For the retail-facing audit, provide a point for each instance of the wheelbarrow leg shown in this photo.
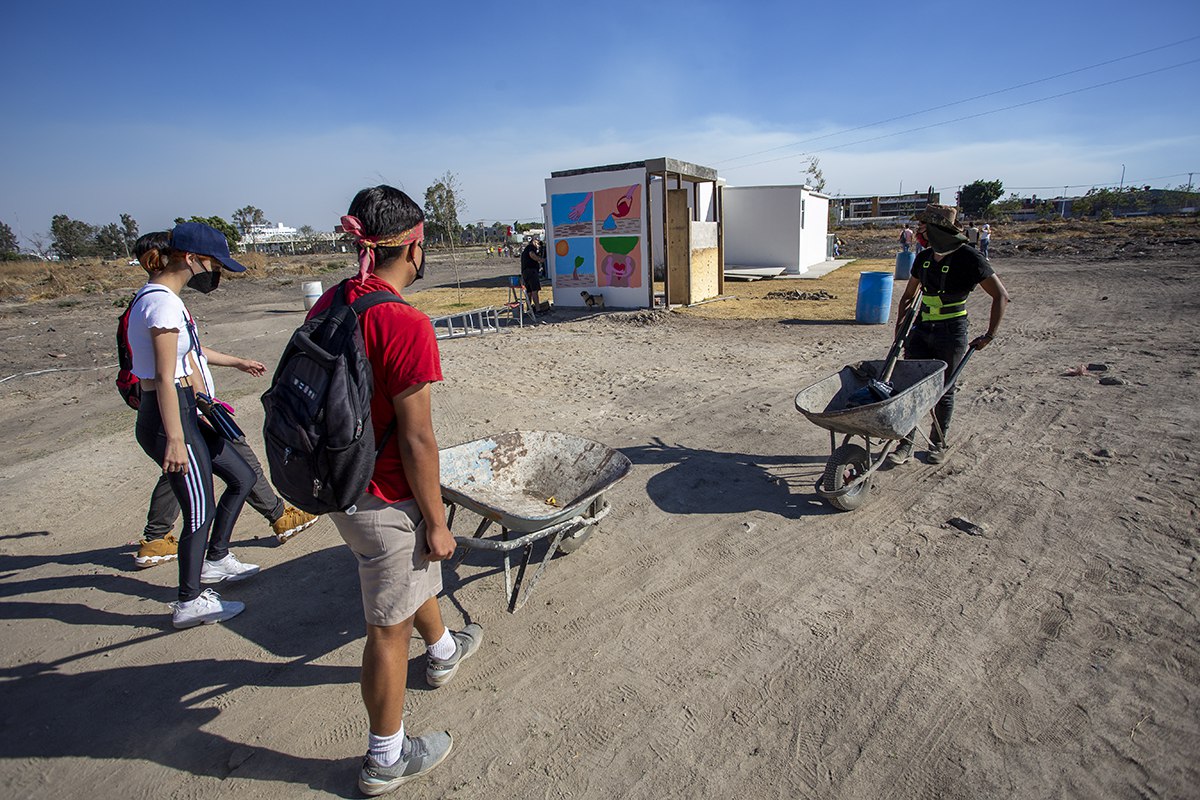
(513, 605)
(526, 552)
(508, 584)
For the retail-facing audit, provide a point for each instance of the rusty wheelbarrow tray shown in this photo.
(534, 485)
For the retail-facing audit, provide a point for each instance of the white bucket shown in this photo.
(312, 293)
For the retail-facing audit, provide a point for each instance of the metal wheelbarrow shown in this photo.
(918, 384)
(534, 485)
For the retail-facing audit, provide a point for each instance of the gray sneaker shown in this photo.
(466, 641)
(421, 754)
(938, 452)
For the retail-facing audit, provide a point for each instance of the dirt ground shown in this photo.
(724, 633)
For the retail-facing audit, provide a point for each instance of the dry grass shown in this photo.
(449, 300)
(749, 300)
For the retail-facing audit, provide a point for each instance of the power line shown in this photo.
(1093, 184)
(955, 103)
(967, 116)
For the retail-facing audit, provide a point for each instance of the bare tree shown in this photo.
(443, 205)
(813, 175)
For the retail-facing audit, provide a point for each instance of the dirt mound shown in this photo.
(820, 295)
(637, 319)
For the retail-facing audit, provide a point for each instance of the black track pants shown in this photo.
(207, 524)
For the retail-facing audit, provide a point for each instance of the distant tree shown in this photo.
(976, 197)
(110, 241)
(129, 231)
(231, 233)
(814, 177)
(71, 238)
(308, 237)
(443, 205)
(245, 217)
(1004, 209)
(8, 240)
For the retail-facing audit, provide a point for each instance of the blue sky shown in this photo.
(162, 110)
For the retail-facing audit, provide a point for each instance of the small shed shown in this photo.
(611, 228)
(775, 226)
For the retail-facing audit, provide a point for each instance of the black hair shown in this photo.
(385, 211)
(158, 240)
(157, 244)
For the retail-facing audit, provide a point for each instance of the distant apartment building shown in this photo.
(267, 232)
(876, 208)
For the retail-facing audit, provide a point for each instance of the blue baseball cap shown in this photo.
(204, 240)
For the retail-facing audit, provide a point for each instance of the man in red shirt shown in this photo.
(397, 530)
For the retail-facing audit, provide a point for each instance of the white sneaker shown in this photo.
(227, 569)
(204, 610)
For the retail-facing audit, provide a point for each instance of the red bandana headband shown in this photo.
(367, 244)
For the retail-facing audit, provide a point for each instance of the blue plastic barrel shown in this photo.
(874, 298)
(904, 262)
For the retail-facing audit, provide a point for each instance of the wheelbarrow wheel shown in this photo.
(574, 540)
(846, 464)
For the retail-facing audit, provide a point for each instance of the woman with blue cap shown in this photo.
(164, 344)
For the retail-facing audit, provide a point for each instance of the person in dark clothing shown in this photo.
(532, 258)
(946, 270)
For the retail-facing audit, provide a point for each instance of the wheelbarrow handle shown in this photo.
(902, 333)
(957, 369)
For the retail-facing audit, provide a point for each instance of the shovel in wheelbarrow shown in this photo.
(879, 389)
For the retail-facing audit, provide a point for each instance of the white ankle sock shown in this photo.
(386, 750)
(444, 647)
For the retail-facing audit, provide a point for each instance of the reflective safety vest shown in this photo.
(937, 306)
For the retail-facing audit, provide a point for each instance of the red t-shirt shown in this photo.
(403, 352)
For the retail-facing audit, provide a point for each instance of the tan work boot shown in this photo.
(291, 522)
(153, 552)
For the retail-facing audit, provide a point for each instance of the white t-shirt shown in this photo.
(156, 306)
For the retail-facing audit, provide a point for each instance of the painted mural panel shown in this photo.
(597, 240)
(619, 260)
(575, 263)
(618, 211)
(572, 214)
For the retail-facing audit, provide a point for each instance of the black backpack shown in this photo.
(320, 443)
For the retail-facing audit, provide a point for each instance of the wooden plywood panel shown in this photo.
(706, 274)
(678, 246)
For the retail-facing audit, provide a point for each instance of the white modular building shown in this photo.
(775, 227)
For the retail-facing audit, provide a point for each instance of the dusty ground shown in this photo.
(724, 634)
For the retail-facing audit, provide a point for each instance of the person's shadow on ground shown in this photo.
(158, 713)
(300, 610)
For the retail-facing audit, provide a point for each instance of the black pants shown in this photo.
(207, 525)
(944, 341)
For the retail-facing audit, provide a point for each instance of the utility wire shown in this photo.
(956, 102)
(1093, 184)
(968, 116)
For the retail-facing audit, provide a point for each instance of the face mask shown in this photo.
(921, 240)
(205, 282)
(421, 266)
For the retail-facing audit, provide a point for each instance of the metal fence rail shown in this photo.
(471, 323)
